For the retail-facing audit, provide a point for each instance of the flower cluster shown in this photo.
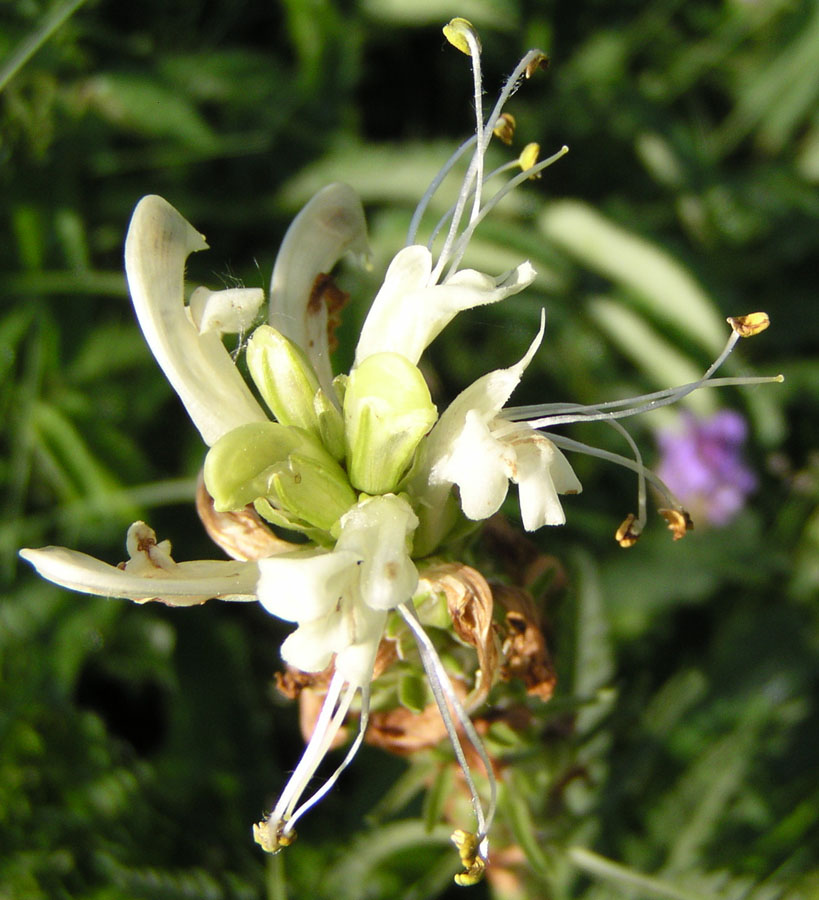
(361, 465)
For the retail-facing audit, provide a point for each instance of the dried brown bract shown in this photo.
(241, 533)
(525, 655)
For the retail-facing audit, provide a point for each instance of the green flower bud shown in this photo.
(288, 466)
(330, 423)
(387, 410)
(284, 377)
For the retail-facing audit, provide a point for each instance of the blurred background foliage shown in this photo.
(678, 758)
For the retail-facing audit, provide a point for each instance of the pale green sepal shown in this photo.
(431, 606)
(316, 491)
(291, 523)
(330, 424)
(284, 377)
(283, 463)
(387, 411)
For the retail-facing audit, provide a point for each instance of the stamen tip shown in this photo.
(750, 325)
(505, 128)
(540, 61)
(679, 522)
(528, 157)
(458, 31)
(629, 531)
(272, 840)
(473, 862)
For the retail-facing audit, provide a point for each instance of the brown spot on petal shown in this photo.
(326, 293)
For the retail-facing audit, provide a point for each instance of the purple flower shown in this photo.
(702, 463)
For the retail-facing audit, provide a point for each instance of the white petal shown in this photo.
(541, 473)
(377, 530)
(312, 645)
(408, 313)
(232, 311)
(355, 662)
(479, 464)
(185, 584)
(329, 226)
(198, 367)
(304, 587)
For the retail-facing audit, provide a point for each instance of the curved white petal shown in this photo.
(541, 473)
(185, 584)
(301, 587)
(330, 225)
(408, 312)
(312, 645)
(355, 661)
(377, 529)
(479, 464)
(231, 311)
(197, 365)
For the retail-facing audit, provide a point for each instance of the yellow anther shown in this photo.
(748, 326)
(505, 128)
(679, 522)
(539, 62)
(456, 31)
(528, 157)
(628, 533)
(272, 840)
(468, 849)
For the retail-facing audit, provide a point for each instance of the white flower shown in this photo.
(411, 309)
(340, 597)
(472, 447)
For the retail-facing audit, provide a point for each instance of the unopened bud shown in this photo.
(387, 410)
(287, 466)
(284, 376)
(330, 424)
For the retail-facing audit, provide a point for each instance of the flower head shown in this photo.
(360, 465)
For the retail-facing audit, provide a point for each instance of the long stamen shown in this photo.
(578, 447)
(457, 251)
(512, 164)
(593, 414)
(443, 691)
(338, 721)
(469, 44)
(637, 526)
(433, 187)
(270, 833)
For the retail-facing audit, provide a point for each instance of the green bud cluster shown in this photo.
(304, 470)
